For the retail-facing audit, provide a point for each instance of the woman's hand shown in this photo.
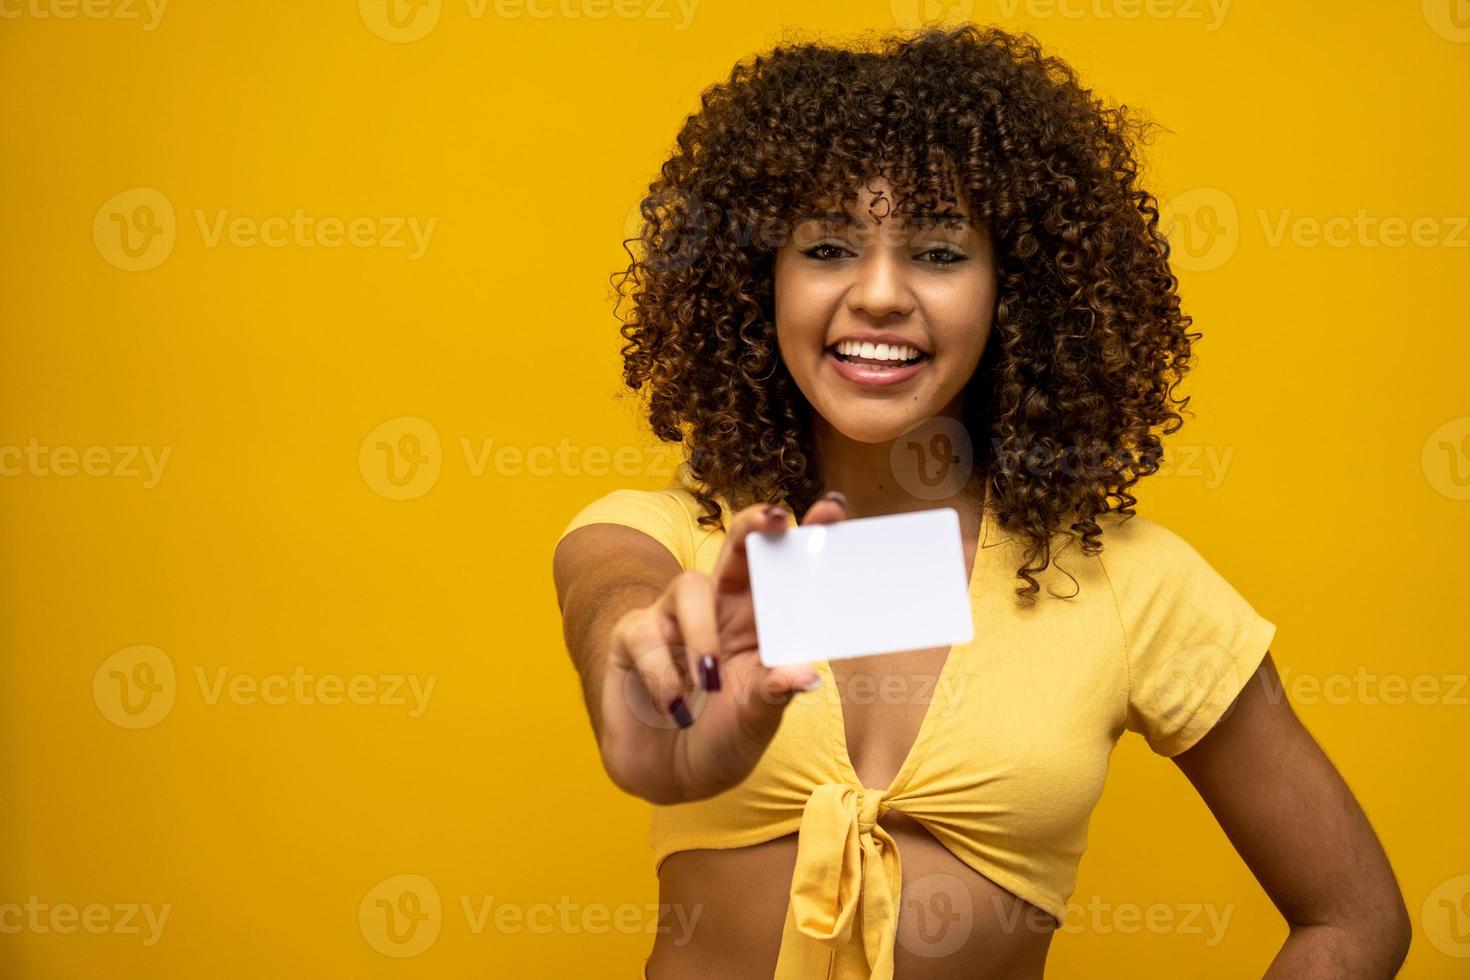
(663, 738)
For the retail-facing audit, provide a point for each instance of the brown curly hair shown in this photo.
(1088, 340)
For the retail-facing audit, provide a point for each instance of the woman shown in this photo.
(910, 274)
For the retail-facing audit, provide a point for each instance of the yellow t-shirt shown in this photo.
(1012, 753)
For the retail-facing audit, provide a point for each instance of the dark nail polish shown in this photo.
(836, 495)
(680, 711)
(709, 672)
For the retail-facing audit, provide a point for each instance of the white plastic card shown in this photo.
(861, 586)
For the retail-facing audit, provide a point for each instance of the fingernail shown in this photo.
(810, 684)
(680, 711)
(709, 672)
(781, 513)
(836, 495)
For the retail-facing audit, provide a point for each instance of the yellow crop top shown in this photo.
(1010, 759)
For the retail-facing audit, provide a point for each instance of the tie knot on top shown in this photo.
(871, 806)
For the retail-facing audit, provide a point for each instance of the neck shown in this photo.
(876, 479)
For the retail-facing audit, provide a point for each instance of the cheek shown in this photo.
(803, 311)
(961, 316)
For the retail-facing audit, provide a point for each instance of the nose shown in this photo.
(882, 287)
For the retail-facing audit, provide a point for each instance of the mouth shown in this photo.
(876, 365)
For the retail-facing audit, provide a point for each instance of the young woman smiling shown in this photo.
(895, 276)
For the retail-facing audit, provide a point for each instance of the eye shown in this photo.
(822, 251)
(946, 255)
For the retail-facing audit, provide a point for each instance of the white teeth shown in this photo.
(881, 352)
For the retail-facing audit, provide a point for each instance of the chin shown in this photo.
(875, 422)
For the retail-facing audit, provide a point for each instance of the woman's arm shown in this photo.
(602, 571)
(1296, 824)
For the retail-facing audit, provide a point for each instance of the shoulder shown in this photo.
(1159, 579)
(669, 515)
(1135, 548)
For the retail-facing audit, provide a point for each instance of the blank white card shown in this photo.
(861, 586)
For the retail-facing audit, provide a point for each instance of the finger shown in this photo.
(830, 508)
(689, 603)
(732, 571)
(644, 641)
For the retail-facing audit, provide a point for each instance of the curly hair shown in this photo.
(1088, 340)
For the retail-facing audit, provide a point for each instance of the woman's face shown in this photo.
(929, 286)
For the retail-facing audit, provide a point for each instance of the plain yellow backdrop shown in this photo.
(284, 466)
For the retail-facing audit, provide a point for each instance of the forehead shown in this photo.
(875, 201)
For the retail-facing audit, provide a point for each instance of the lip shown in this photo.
(874, 377)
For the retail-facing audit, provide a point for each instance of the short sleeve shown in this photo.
(1191, 640)
(657, 513)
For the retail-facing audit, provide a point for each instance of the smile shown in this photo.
(876, 371)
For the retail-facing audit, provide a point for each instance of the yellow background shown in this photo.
(1331, 385)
